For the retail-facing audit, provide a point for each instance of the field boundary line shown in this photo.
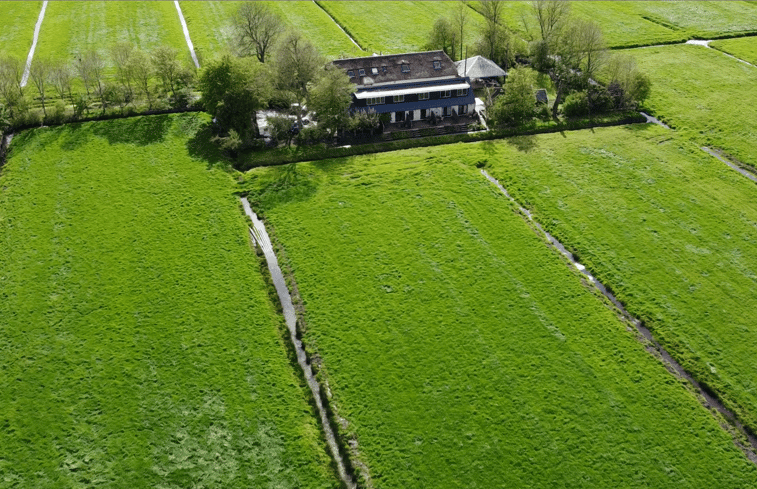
(717, 154)
(29, 58)
(186, 34)
(260, 236)
(707, 399)
(339, 26)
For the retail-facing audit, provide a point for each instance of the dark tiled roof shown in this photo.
(421, 66)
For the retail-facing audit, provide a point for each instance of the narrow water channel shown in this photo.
(29, 58)
(260, 236)
(709, 401)
(186, 34)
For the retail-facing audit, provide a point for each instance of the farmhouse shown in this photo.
(411, 86)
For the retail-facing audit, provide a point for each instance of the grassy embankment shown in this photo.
(465, 353)
(17, 27)
(670, 229)
(138, 345)
(209, 23)
(743, 48)
(705, 95)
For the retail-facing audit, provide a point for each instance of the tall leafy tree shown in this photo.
(256, 28)
(331, 97)
(39, 71)
(233, 90)
(298, 64)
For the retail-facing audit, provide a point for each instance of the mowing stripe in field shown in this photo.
(186, 34)
(37, 26)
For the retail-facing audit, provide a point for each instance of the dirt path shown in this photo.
(261, 239)
(655, 348)
(29, 58)
(339, 26)
(186, 34)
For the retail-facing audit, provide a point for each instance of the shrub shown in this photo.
(576, 105)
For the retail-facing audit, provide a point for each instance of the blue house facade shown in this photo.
(411, 86)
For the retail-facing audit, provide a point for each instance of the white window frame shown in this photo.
(437, 65)
(375, 100)
(374, 71)
(405, 68)
(424, 96)
(361, 72)
(446, 93)
(351, 73)
(462, 93)
(398, 98)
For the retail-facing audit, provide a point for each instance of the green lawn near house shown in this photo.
(460, 350)
(17, 20)
(138, 344)
(670, 229)
(705, 95)
(743, 48)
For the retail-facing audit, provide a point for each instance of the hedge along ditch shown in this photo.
(320, 152)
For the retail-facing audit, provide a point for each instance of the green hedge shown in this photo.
(282, 156)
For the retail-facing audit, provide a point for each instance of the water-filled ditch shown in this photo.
(261, 239)
(671, 364)
(29, 58)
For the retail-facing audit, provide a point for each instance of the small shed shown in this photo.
(541, 96)
(478, 68)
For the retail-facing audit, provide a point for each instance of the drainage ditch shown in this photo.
(339, 26)
(29, 58)
(260, 238)
(707, 399)
(751, 176)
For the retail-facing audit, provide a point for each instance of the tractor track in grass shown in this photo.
(706, 398)
(29, 58)
(260, 238)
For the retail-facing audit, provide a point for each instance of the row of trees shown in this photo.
(125, 76)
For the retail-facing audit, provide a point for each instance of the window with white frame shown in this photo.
(398, 98)
(462, 93)
(405, 68)
(351, 74)
(437, 65)
(374, 71)
(361, 72)
(375, 101)
(423, 96)
(446, 93)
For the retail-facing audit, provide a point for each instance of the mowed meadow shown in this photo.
(461, 350)
(139, 344)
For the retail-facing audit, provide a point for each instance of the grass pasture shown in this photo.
(74, 27)
(139, 347)
(17, 21)
(671, 230)
(743, 48)
(209, 26)
(465, 353)
(395, 27)
(705, 95)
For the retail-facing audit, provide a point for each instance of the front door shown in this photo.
(423, 113)
(399, 116)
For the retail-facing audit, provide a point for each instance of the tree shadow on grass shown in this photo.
(140, 131)
(524, 144)
(200, 146)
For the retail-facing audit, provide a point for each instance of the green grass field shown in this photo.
(670, 229)
(138, 344)
(465, 353)
(705, 95)
(71, 28)
(395, 27)
(743, 48)
(210, 26)
(17, 21)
